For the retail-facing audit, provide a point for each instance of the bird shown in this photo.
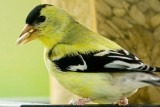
(84, 62)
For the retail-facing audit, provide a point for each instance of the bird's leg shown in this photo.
(122, 101)
(82, 101)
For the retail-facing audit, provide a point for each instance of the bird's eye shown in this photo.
(41, 18)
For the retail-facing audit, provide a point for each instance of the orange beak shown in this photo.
(28, 34)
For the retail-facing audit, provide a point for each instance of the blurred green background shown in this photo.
(22, 69)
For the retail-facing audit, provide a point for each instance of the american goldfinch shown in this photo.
(86, 63)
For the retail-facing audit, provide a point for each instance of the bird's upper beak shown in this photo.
(27, 34)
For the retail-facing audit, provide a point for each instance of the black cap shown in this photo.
(34, 14)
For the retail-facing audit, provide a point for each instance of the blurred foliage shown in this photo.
(22, 69)
(134, 24)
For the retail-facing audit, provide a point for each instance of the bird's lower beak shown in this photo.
(28, 34)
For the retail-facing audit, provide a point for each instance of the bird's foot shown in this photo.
(123, 101)
(82, 101)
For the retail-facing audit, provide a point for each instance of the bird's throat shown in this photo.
(49, 42)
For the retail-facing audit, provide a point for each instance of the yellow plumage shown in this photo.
(84, 62)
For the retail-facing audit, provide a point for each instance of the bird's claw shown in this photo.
(82, 101)
(122, 101)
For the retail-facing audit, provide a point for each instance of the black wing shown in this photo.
(102, 61)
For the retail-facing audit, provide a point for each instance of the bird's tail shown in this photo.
(157, 69)
(152, 82)
(156, 81)
(147, 68)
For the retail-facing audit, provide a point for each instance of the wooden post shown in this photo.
(133, 24)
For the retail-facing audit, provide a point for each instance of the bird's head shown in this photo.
(46, 23)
